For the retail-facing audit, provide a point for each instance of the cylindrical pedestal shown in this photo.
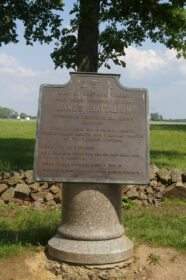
(91, 230)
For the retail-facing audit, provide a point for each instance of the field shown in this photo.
(158, 233)
(17, 140)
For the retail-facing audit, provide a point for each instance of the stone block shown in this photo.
(132, 194)
(22, 191)
(35, 187)
(8, 195)
(3, 187)
(48, 196)
(54, 189)
(176, 175)
(164, 175)
(13, 180)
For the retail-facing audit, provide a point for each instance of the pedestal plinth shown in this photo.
(91, 230)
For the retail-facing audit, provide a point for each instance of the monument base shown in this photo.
(90, 252)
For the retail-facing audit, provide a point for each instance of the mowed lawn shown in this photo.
(17, 140)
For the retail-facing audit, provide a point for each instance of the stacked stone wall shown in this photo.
(19, 187)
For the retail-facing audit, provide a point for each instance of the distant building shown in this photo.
(27, 118)
(18, 117)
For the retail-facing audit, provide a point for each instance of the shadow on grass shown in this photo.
(176, 127)
(16, 153)
(165, 158)
(34, 236)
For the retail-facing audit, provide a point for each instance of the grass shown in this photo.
(22, 229)
(17, 140)
(164, 226)
(168, 145)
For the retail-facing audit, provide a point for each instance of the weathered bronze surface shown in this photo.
(92, 129)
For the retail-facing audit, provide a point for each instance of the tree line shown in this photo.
(6, 113)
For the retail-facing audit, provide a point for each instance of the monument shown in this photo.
(92, 135)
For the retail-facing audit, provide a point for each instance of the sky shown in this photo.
(24, 68)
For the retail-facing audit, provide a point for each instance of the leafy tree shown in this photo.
(6, 113)
(84, 46)
(156, 117)
(23, 116)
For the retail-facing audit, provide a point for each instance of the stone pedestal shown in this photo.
(91, 230)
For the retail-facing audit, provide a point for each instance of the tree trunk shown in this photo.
(88, 36)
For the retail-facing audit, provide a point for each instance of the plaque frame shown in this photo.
(79, 180)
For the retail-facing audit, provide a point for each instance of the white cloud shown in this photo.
(10, 65)
(141, 61)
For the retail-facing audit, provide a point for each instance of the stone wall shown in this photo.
(19, 187)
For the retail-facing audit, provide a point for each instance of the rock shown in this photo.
(35, 187)
(22, 191)
(158, 195)
(157, 202)
(132, 193)
(29, 177)
(58, 197)
(29, 174)
(5, 175)
(29, 181)
(48, 197)
(144, 203)
(137, 202)
(44, 185)
(164, 175)
(54, 189)
(184, 176)
(3, 187)
(150, 199)
(13, 180)
(176, 175)
(153, 171)
(168, 190)
(51, 203)
(8, 195)
(176, 192)
(153, 183)
(37, 205)
(161, 188)
(1, 202)
(142, 196)
(149, 190)
(38, 196)
(17, 201)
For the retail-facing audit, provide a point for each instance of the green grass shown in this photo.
(17, 140)
(168, 145)
(27, 229)
(22, 229)
(164, 226)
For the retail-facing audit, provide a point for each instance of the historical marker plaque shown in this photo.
(92, 129)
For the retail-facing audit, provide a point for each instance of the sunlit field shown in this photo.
(17, 140)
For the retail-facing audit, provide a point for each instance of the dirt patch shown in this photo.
(148, 263)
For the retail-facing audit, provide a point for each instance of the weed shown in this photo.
(153, 259)
(128, 204)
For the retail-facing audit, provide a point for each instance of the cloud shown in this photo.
(10, 65)
(143, 63)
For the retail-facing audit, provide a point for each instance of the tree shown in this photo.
(156, 117)
(6, 113)
(122, 22)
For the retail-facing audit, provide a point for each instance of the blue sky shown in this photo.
(152, 66)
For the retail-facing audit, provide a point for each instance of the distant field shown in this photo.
(17, 140)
